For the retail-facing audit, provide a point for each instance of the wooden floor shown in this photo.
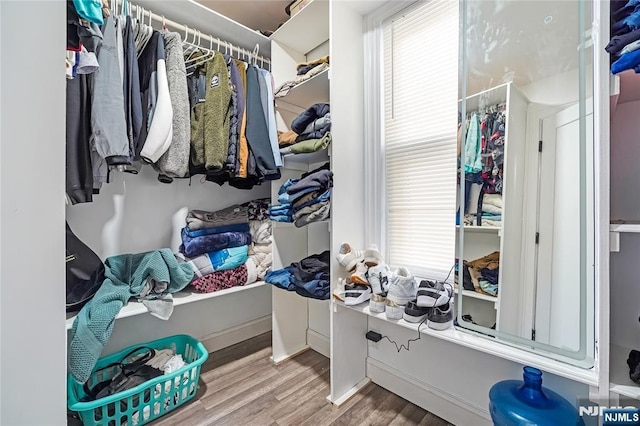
(241, 386)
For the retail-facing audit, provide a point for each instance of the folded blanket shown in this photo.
(195, 246)
(314, 182)
(260, 231)
(198, 219)
(488, 208)
(492, 200)
(221, 280)
(126, 276)
(220, 260)
(239, 227)
(308, 146)
(261, 257)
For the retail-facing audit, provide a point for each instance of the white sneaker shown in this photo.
(372, 256)
(349, 257)
(433, 293)
(379, 278)
(377, 303)
(393, 310)
(338, 292)
(402, 289)
(356, 294)
(359, 276)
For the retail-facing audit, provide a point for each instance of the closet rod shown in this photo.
(243, 54)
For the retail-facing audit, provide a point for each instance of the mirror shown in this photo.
(525, 249)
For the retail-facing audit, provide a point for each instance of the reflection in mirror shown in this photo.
(525, 193)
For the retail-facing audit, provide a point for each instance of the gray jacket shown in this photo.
(107, 108)
(175, 161)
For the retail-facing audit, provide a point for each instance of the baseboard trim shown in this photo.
(291, 355)
(318, 342)
(351, 392)
(442, 404)
(230, 336)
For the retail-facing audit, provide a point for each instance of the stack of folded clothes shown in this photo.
(624, 46)
(310, 131)
(305, 71)
(305, 200)
(308, 278)
(484, 273)
(216, 246)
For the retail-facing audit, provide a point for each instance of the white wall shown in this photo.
(32, 176)
(136, 213)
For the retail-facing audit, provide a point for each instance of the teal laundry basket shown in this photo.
(148, 400)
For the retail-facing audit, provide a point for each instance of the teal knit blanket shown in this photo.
(125, 277)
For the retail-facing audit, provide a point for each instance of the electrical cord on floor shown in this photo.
(407, 346)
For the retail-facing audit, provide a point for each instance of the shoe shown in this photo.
(348, 257)
(338, 292)
(378, 277)
(359, 276)
(377, 303)
(402, 288)
(433, 293)
(440, 317)
(393, 310)
(414, 313)
(372, 256)
(356, 294)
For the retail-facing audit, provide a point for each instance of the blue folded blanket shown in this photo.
(220, 260)
(195, 246)
(239, 227)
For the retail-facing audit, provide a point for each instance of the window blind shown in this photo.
(420, 128)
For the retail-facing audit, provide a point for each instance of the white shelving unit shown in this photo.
(180, 298)
(482, 344)
(299, 323)
(621, 384)
(615, 229)
(507, 238)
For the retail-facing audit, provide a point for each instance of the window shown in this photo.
(420, 87)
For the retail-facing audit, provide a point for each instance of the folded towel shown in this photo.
(195, 246)
(221, 260)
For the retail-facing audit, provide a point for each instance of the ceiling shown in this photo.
(261, 15)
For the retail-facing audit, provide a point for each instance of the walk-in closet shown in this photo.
(317, 211)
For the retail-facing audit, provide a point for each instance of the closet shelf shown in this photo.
(479, 296)
(307, 93)
(302, 161)
(482, 229)
(307, 29)
(290, 225)
(486, 345)
(179, 298)
(621, 384)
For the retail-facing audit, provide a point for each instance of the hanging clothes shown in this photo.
(131, 88)
(79, 173)
(271, 117)
(243, 145)
(472, 146)
(174, 163)
(156, 103)
(257, 130)
(107, 118)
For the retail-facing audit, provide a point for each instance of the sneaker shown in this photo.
(359, 276)
(372, 256)
(356, 294)
(393, 310)
(402, 288)
(414, 313)
(348, 257)
(379, 277)
(377, 303)
(440, 317)
(338, 292)
(433, 293)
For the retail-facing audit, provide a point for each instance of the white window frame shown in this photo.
(374, 119)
